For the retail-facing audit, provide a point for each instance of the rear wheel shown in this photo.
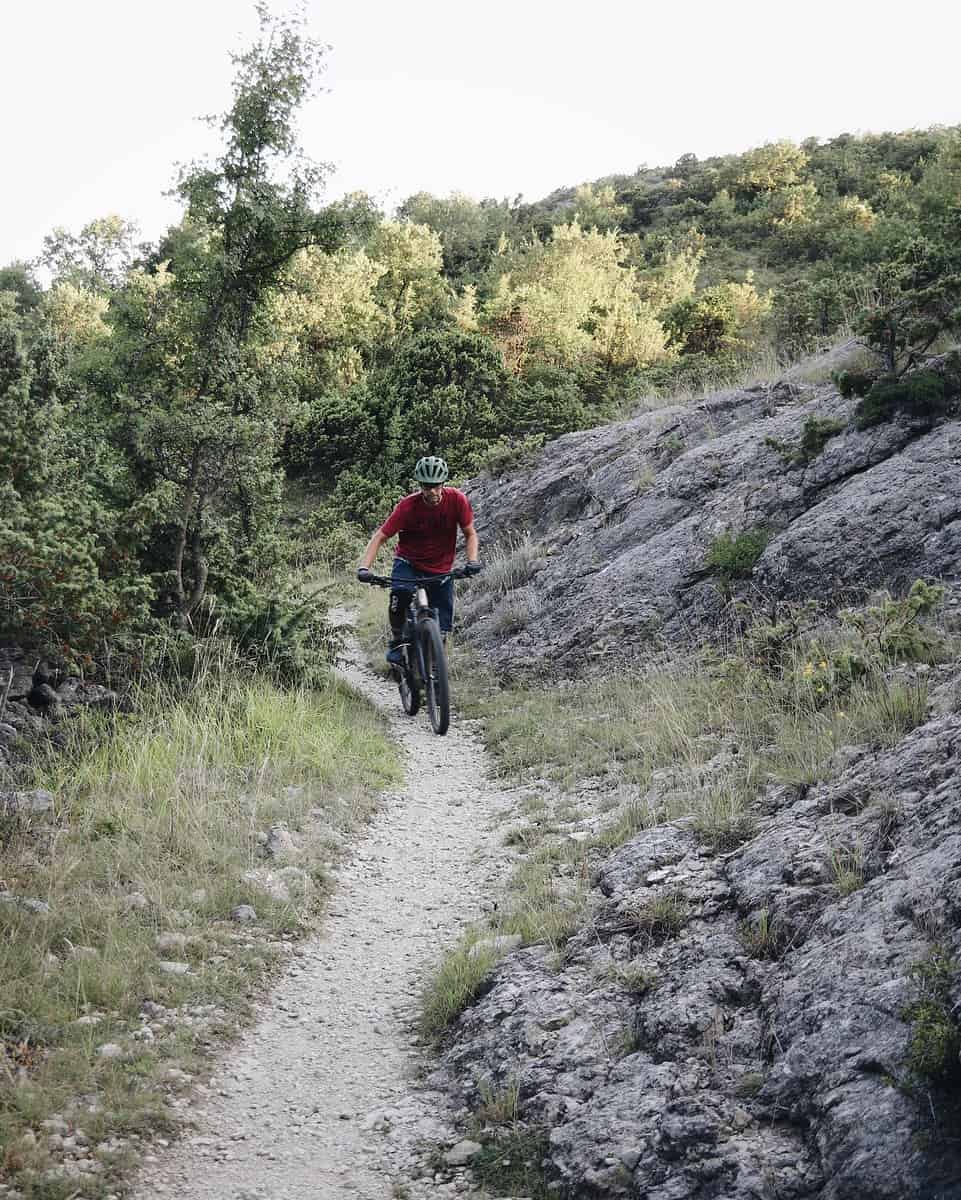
(435, 682)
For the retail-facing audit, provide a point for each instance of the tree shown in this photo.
(328, 319)
(724, 319)
(598, 209)
(469, 230)
(443, 394)
(67, 575)
(201, 407)
(97, 259)
(410, 287)
(769, 168)
(916, 299)
(18, 278)
(570, 300)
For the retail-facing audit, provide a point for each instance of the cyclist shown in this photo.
(427, 522)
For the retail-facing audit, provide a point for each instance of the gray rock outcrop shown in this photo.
(790, 1024)
(771, 1051)
(624, 517)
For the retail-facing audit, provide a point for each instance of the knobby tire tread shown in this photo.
(436, 685)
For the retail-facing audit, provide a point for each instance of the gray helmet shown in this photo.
(431, 470)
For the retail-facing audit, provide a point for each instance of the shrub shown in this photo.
(285, 633)
(508, 452)
(444, 392)
(733, 556)
(854, 383)
(547, 401)
(895, 629)
(935, 1041)
(816, 432)
(332, 432)
(921, 395)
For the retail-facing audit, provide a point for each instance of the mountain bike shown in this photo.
(423, 673)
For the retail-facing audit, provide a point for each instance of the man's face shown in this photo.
(432, 493)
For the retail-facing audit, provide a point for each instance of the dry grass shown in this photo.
(158, 815)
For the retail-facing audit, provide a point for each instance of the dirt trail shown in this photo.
(317, 1102)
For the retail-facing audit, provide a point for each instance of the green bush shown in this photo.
(921, 395)
(935, 1041)
(816, 432)
(854, 383)
(332, 432)
(896, 629)
(284, 632)
(509, 452)
(444, 393)
(547, 401)
(733, 556)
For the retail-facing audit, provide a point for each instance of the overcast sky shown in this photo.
(498, 98)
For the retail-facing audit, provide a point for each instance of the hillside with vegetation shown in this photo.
(160, 401)
(709, 418)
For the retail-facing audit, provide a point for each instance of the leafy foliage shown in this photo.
(935, 1042)
(154, 397)
(732, 556)
(922, 396)
(816, 432)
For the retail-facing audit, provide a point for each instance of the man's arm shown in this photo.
(471, 543)
(375, 543)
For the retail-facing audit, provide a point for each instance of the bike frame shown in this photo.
(418, 610)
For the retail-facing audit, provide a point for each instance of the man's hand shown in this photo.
(473, 568)
(364, 574)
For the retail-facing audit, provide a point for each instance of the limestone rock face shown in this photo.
(750, 1066)
(624, 516)
(771, 1041)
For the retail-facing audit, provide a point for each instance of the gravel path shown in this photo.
(318, 1101)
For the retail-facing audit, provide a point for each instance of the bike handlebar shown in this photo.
(385, 581)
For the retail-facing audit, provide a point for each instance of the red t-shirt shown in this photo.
(428, 534)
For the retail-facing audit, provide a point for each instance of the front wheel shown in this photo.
(435, 676)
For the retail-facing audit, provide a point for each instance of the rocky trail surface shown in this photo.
(319, 1100)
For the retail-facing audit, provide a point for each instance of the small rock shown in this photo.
(170, 967)
(280, 842)
(136, 901)
(462, 1153)
(35, 803)
(267, 882)
(110, 1050)
(243, 913)
(555, 1021)
(502, 944)
(171, 941)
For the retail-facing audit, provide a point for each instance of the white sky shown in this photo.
(500, 97)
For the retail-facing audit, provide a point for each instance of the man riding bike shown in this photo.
(427, 522)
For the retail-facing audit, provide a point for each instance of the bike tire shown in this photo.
(409, 691)
(436, 684)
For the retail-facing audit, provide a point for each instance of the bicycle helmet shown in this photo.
(431, 470)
